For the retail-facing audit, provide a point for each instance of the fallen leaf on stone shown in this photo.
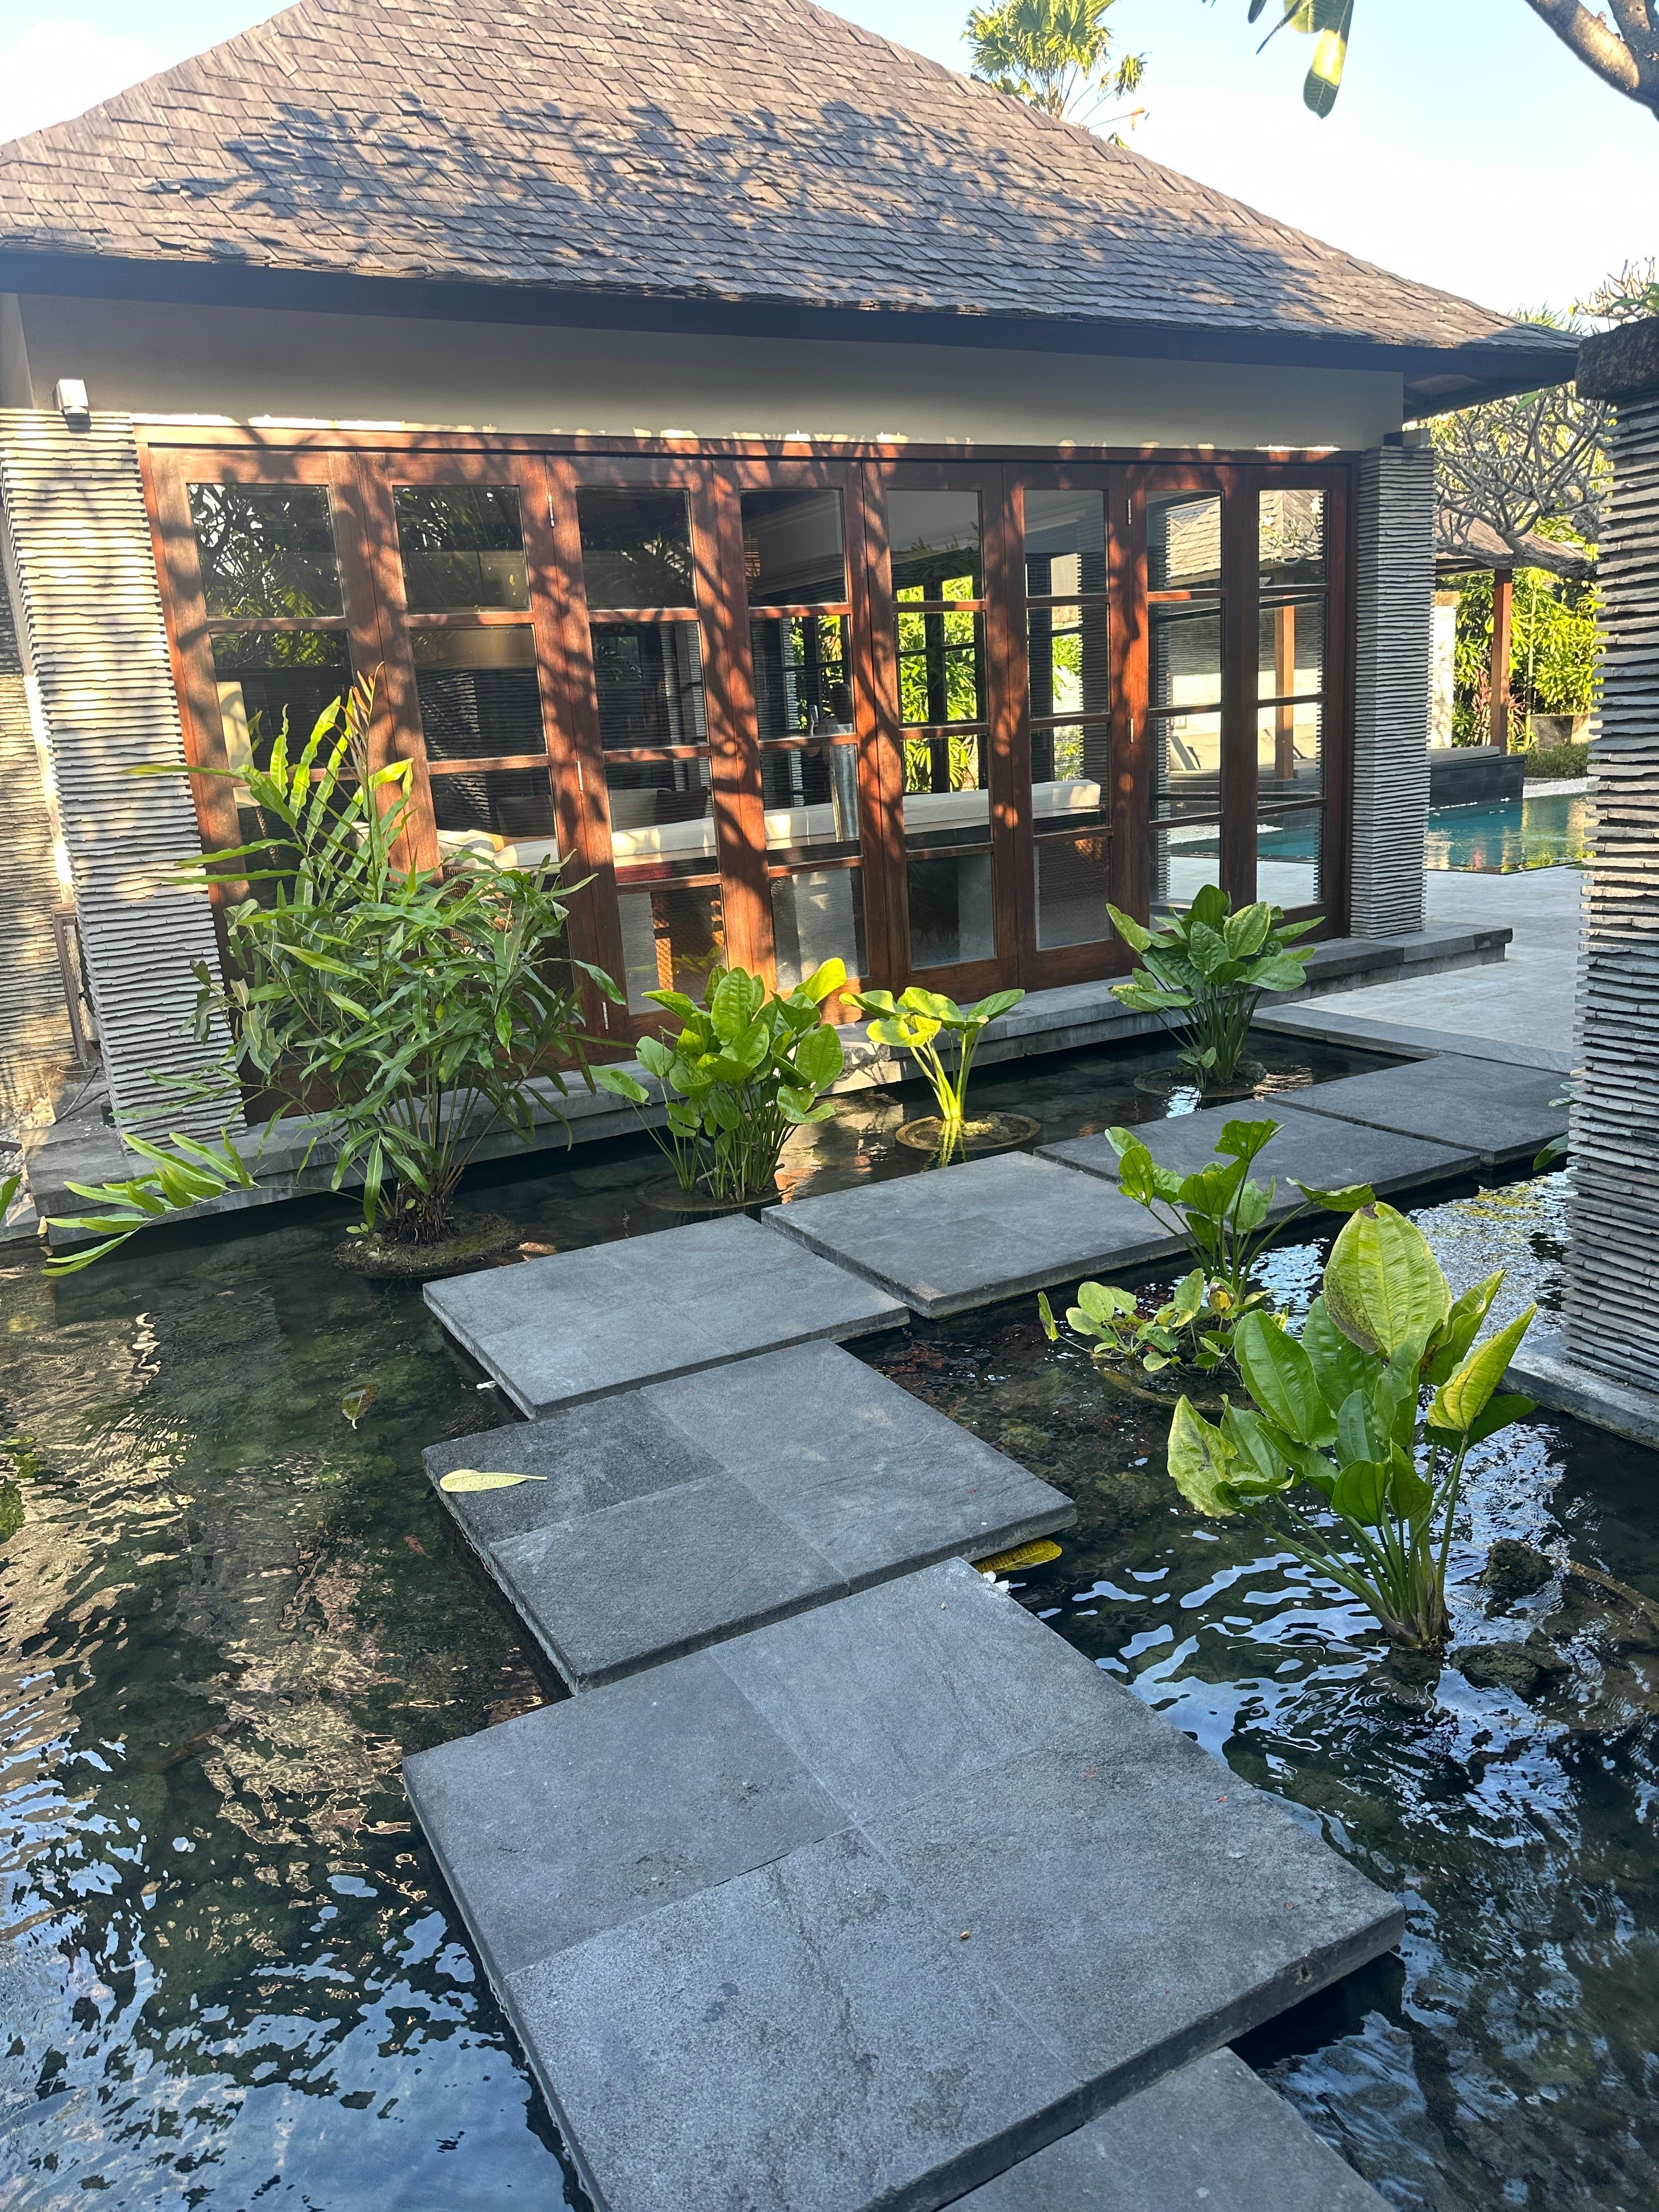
(472, 1477)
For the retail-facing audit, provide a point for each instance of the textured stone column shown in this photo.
(1612, 1306)
(1395, 596)
(35, 1031)
(82, 574)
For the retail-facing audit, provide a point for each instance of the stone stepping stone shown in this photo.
(581, 1325)
(1210, 2138)
(1499, 1113)
(674, 1516)
(1310, 1148)
(955, 1237)
(866, 1906)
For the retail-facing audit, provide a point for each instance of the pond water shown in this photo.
(232, 1975)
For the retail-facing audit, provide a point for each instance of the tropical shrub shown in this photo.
(916, 1022)
(747, 1068)
(1336, 1453)
(1203, 973)
(408, 1014)
(1191, 1331)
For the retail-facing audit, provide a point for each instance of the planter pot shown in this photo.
(1248, 1076)
(667, 1195)
(479, 1237)
(985, 1133)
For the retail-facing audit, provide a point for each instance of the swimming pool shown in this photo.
(1500, 837)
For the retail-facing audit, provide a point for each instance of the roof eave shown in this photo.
(1437, 378)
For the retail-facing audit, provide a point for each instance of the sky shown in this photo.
(1468, 149)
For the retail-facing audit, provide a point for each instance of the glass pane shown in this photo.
(660, 814)
(817, 914)
(1287, 752)
(942, 766)
(935, 540)
(1291, 536)
(463, 546)
(1072, 887)
(1290, 650)
(1287, 858)
(508, 811)
(1070, 671)
(941, 666)
(266, 549)
(637, 549)
(478, 693)
(1071, 773)
(648, 677)
(951, 915)
(1183, 541)
(1185, 657)
(270, 679)
(1183, 861)
(791, 548)
(1186, 764)
(673, 935)
(1065, 543)
(800, 675)
(811, 796)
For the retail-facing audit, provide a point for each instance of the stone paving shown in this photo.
(1308, 1148)
(727, 1498)
(972, 1234)
(581, 1325)
(866, 1906)
(1500, 1112)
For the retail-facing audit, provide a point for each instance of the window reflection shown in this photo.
(935, 538)
(801, 686)
(672, 935)
(1291, 538)
(1185, 657)
(1073, 883)
(637, 549)
(1287, 866)
(271, 679)
(1186, 764)
(817, 914)
(478, 693)
(1183, 541)
(265, 549)
(648, 678)
(952, 918)
(462, 545)
(792, 554)
(1070, 667)
(1065, 543)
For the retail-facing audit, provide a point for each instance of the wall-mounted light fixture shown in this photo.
(68, 396)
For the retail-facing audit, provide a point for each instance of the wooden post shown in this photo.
(1503, 605)
(1283, 683)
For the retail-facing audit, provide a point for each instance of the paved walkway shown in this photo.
(1526, 998)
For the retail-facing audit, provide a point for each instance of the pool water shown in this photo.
(1501, 838)
(234, 1976)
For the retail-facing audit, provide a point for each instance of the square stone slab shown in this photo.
(1310, 1148)
(1209, 2138)
(1497, 1112)
(867, 1906)
(581, 1325)
(968, 1236)
(670, 1517)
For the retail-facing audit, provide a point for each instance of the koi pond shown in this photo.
(229, 1607)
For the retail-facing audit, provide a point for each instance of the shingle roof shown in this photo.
(740, 150)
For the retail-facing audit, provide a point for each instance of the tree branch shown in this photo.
(1632, 69)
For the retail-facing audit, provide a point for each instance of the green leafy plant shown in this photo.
(183, 1176)
(1203, 973)
(917, 1021)
(748, 1067)
(408, 1014)
(1223, 1217)
(1336, 1429)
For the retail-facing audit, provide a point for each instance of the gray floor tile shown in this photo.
(1310, 1148)
(582, 1325)
(588, 1815)
(644, 1581)
(1499, 1112)
(1210, 2137)
(969, 1235)
(798, 2040)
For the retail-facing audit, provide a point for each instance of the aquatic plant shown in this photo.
(1191, 1330)
(915, 1022)
(1203, 973)
(407, 1014)
(1337, 1453)
(748, 1066)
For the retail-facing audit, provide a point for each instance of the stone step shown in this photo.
(768, 1920)
(1501, 1113)
(1210, 2137)
(1310, 1148)
(977, 1232)
(693, 1510)
(583, 1325)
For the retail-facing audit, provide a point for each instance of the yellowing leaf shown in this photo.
(1459, 1403)
(467, 1479)
(1037, 1554)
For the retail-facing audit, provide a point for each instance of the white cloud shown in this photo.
(50, 72)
